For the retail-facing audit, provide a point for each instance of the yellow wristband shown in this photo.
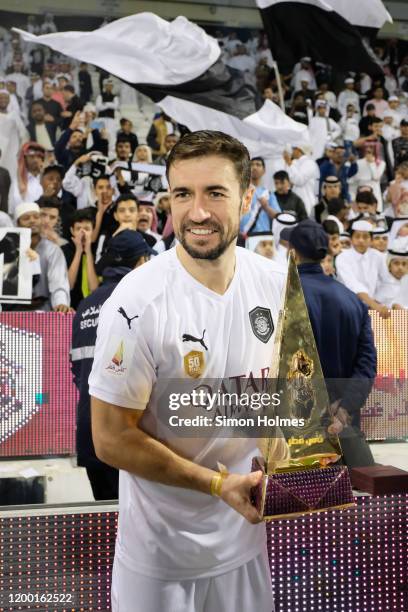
(217, 480)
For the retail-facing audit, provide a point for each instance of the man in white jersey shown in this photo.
(205, 308)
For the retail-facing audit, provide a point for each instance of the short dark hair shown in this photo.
(335, 205)
(83, 214)
(49, 202)
(258, 158)
(69, 88)
(123, 138)
(330, 227)
(374, 120)
(281, 175)
(207, 142)
(366, 197)
(124, 120)
(370, 107)
(54, 168)
(125, 197)
(104, 177)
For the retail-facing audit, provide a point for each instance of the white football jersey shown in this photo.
(161, 324)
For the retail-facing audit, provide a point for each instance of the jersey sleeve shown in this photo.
(123, 371)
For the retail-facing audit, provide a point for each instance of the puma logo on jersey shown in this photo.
(188, 338)
(124, 315)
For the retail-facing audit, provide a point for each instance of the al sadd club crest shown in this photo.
(261, 323)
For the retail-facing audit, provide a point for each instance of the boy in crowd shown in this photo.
(363, 268)
(397, 261)
(287, 200)
(50, 209)
(79, 257)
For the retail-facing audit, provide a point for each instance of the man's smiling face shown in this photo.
(206, 204)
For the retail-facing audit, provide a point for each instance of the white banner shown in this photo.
(16, 269)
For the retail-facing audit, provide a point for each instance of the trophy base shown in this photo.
(304, 491)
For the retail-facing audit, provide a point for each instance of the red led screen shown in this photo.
(37, 395)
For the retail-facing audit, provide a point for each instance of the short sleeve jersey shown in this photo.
(160, 323)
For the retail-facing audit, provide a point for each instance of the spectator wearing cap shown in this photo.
(287, 200)
(369, 173)
(39, 130)
(303, 174)
(363, 268)
(331, 188)
(50, 217)
(344, 339)
(340, 166)
(264, 206)
(348, 96)
(85, 83)
(72, 105)
(126, 130)
(51, 291)
(53, 109)
(400, 145)
(397, 262)
(79, 256)
(27, 187)
(322, 129)
(303, 72)
(127, 251)
(338, 211)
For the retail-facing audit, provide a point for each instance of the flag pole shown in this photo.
(279, 83)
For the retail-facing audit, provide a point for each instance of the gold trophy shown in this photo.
(300, 459)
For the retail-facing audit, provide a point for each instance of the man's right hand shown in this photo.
(236, 492)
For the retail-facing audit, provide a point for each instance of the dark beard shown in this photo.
(210, 254)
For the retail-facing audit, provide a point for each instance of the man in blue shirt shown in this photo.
(340, 166)
(264, 205)
(344, 338)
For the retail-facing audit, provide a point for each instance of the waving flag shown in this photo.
(326, 30)
(178, 66)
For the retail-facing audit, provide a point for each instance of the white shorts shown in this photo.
(246, 588)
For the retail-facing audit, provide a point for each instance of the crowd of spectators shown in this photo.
(76, 171)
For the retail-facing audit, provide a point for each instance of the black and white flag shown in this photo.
(326, 30)
(179, 67)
